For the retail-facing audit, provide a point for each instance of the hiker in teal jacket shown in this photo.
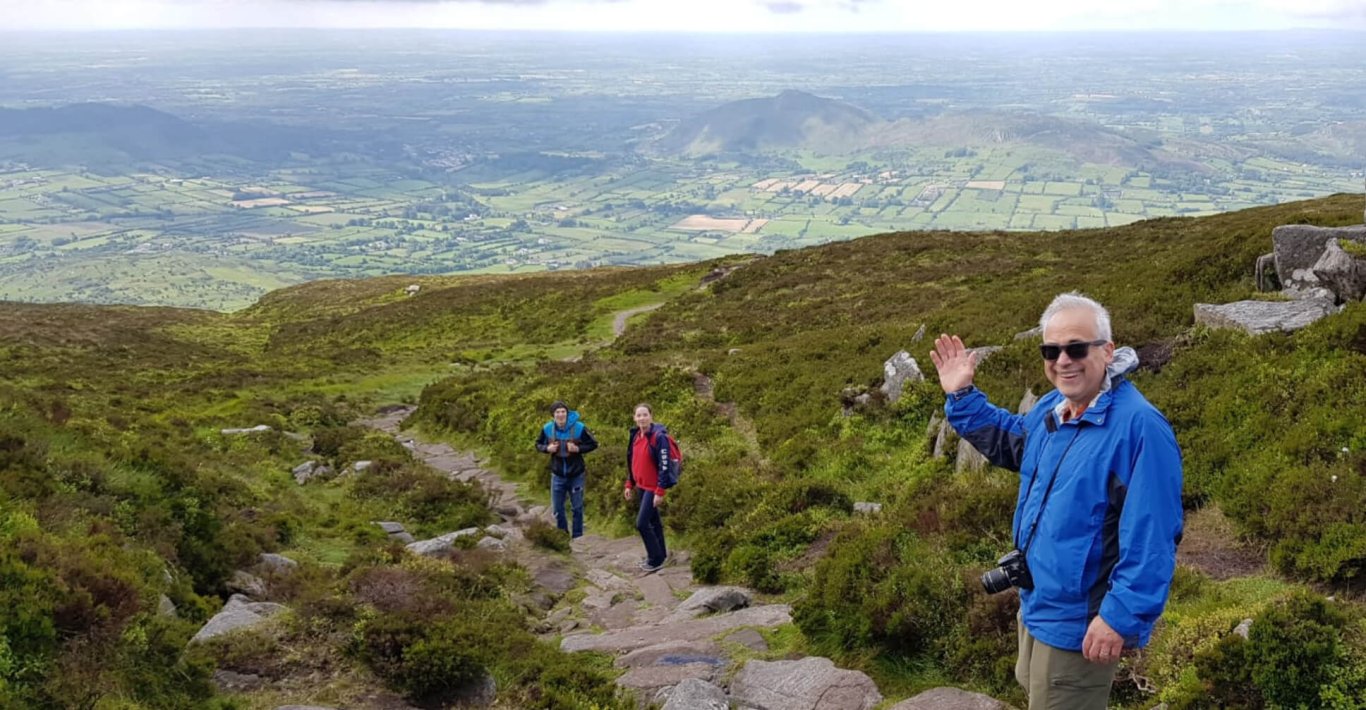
(566, 439)
(1099, 511)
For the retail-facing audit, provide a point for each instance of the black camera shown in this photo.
(1010, 572)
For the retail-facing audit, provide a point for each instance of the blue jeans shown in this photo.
(651, 529)
(559, 486)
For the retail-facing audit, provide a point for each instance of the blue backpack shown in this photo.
(670, 460)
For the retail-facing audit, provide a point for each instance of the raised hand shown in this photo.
(956, 365)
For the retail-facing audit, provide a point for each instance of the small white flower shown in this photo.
(1335, 478)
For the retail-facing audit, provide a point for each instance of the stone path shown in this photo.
(619, 322)
(618, 608)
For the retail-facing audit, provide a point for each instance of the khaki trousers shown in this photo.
(1061, 680)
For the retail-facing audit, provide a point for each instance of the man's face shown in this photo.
(561, 416)
(1078, 380)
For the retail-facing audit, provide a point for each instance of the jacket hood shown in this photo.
(569, 421)
(1124, 362)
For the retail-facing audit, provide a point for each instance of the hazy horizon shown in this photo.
(708, 16)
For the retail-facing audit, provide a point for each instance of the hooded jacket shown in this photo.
(563, 462)
(658, 448)
(1107, 534)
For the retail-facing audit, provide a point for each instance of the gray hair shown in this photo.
(1072, 301)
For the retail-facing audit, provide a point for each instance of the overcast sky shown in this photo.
(691, 15)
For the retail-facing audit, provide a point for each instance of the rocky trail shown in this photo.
(682, 646)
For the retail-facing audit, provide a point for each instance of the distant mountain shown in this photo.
(1082, 140)
(790, 120)
(796, 120)
(100, 134)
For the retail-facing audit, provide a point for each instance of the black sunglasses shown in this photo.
(1075, 351)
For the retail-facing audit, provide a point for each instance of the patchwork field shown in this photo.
(73, 234)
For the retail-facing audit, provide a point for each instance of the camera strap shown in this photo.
(1034, 527)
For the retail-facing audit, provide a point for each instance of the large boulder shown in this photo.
(276, 564)
(1258, 317)
(239, 613)
(646, 681)
(698, 629)
(1342, 273)
(693, 694)
(951, 699)
(246, 583)
(812, 683)
(1298, 248)
(439, 545)
(1027, 401)
(968, 458)
(715, 599)
(897, 371)
(672, 653)
(945, 441)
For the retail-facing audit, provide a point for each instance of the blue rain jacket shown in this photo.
(1106, 541)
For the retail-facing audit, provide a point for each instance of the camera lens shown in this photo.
(995, 581)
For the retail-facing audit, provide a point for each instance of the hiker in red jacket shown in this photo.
(646, 454)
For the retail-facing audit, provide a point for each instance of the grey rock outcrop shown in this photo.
(693, 694)
(647, 681)
(1341, 273)
(440, 544)
(711, 600)
(945, 441)
(165, 607)
(602, 579)
(239, 613)
(304, 472)
(1298, 248)
(897, 371)
(246, 583)
(865, 508)
(812, 683)
(1266, 273)
(672, 653)
(396, 532)
(699, 629)
(1244, 628)
(750, 639)
(968, 458)
(309, 471)
(984, 352)
(492, 544)
(227, 681)
(1035, 332)
(1258, 317)
(251, 430)
(277, 564)
(1027, 401)
(951, 699)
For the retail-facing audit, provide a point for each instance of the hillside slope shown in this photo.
(790, 120)
(114, 468)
